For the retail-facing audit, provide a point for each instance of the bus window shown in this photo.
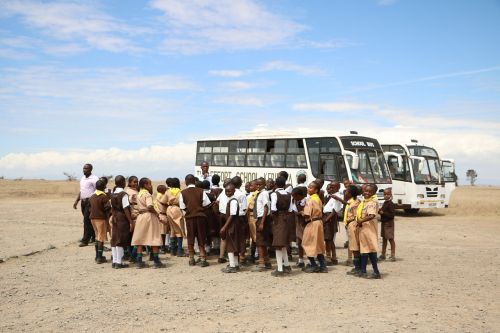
(313, 150)
(342, 168)
(296, 161)
(204, 152)
(295, 146)
(399, 172)
(275, 146)
(221, 147)
(257, 146)
(254, 160)
(275, 160)
(236, 160)
(219, 160)
(238, 146)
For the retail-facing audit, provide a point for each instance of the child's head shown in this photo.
(313, 188)
(145, 183)
(105, 180)
(253, 185)
(320, 182)
(260, 183)
(161, 189)
(283, 174)
(205, 184)
(298, 193)
(229, 189)
(369, 191)
(352, 191)
(216, 180)
(270, 184)
(301, 179)
(120, 181)
(198, 184)
(176, 183)
(226, 181)
(190, 179)
(168, 181)
(237, 182)
(280, 182)
(100, 185)
(247, 187)
(133, 182)
(388, 194)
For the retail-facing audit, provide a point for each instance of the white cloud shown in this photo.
(157, 162)
(201, 26)
(334, 107)
(226, 73)
(76, 21)
(287, 66)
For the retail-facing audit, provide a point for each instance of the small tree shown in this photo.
(471, 176)
(70, 177)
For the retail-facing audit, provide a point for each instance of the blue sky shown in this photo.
(130, 85)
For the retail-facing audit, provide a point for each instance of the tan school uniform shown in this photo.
(174, 213)
(132, 197)
(313, 241)
(162, 211)
(147, 226)
(352, 229)
(250, 218)
(368, 233)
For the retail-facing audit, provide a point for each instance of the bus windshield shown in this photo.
(428, 173)
(371, 169)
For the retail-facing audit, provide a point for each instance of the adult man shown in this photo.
(87, 189)
(204, 172)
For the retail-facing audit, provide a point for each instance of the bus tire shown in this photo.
(412, 211)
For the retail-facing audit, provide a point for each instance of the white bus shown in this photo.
(416, 176)
(449, 178)
(353, 157)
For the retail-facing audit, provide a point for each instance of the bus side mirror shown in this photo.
(354, 159)
(398, 157)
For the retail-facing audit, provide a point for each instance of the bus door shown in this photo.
(331, 167)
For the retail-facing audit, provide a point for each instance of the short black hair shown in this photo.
(132, 178)
(216, 179)
(176, 182)
(120, 181)
(236, 180)
(161, 188)
(168, 181)
(205, 184)
(301, 190)
(90, 165)
(198, 184)
(301, 178)
(280, 181)
(284, 174)
(353, 189)
(100, 185)
(190, 179)
(143, 181)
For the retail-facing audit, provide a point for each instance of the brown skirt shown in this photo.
(100, 228)
(353, 236)
(197, 228)
(234, 240)
(280, 230)
(387, 230)
(313, 241)
(121, 230)
(263, 238)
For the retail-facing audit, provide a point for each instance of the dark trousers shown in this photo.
(88, 230)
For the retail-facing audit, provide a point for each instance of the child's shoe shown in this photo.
(381, 257)
(277, 273)
(229, 269)
(287, 269)
(391, 258)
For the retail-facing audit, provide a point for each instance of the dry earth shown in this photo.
(446, 278)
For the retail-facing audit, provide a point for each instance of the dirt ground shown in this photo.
(446, 278)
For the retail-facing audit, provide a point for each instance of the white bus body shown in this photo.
(449, 178)
(416, 176)
(355, 158)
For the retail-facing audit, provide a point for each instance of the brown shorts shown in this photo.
(263, 238)
(196, 228)
(387, 230)
(100, 228)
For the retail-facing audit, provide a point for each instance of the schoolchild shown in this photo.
(175, 217)
(231, 231)
(99, 214)
(161, 208)
(350, 211)
(299, 195)
(261, 212)
(121, 221)
(387, 227)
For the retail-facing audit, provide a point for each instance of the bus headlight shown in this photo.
(420, 196)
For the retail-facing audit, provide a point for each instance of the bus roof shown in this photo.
(281, 135)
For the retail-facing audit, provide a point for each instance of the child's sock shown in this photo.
(133, 252)
(100, 248)
(364, 262)
(373, 259)
(357, 263)
(114, 254)
(321, 259)
(285, 257)
(119, 254)
(179, 245)
(155, 257)
(279, 260)
(139, 256)
(230, 255)
(312, 261)
(96, 251)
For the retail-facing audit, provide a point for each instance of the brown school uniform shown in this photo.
(162, 212)
(250, 218)
(280, 221)
(174, 213)
(352, 230)
(387, 219)
(299, 221)
(368, 234)
(121, 228)
(233, 233)
(196, 220)
(212, 220)
(147, 226)
(99, 210)
(330, 225)
(313, 241)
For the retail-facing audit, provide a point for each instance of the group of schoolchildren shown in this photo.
(268, 218)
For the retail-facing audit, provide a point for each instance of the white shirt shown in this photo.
(206, 200)
(233, 208)
(222, 199)
(87, 186)
(333, 204)
(242, 200)
(262, 200)
(274, 199)
(125, 202)
(208, 177)
(289, 189)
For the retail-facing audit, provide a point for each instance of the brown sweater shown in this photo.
(193, 200)
(99, 206)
